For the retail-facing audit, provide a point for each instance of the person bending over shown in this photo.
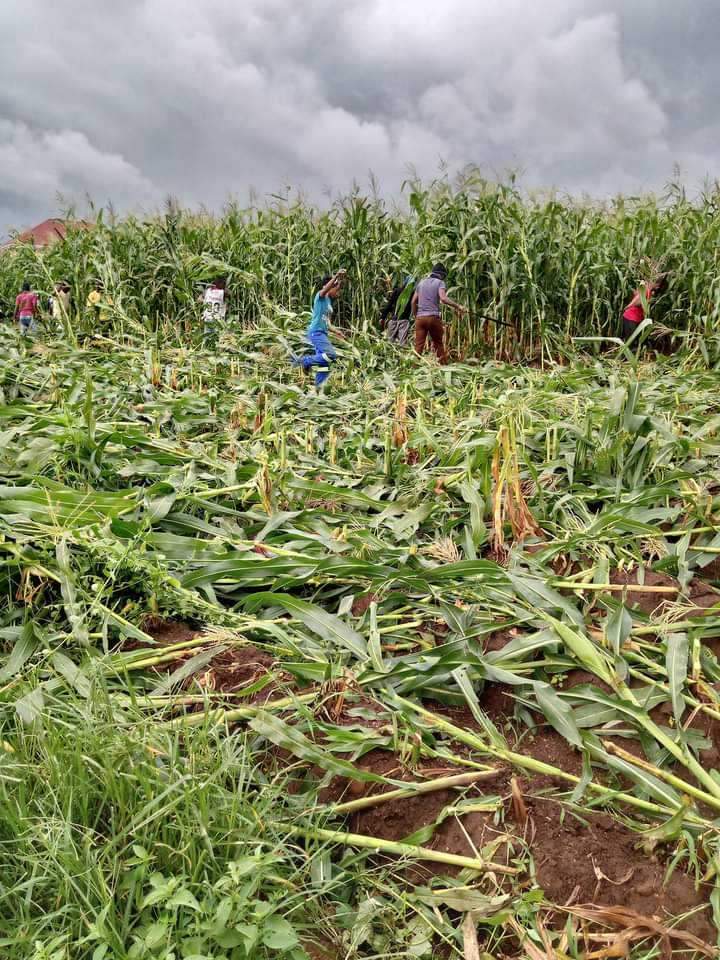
(397, 311)
(634, 313)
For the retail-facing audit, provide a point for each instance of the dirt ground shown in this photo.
(588, 859)
(576, 860)
(232, 671)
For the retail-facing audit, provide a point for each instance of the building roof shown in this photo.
(49, 232)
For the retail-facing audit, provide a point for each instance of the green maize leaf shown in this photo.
(477, 512)
(465, 900)
(72, 673)
(25, 645)
(374, 642)
(584, 649)
(538, 595)
(30, 707)
(649, 785)
(159, 501)
(188, 669)
(491, 731)
(324, 624)
(617, 630)
(558, 713)
(73, 609)
(668, 831)
(676, 664)
(287, 736)
(584, 781)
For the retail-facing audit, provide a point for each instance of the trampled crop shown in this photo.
(421, 667)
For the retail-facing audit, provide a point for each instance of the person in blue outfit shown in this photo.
(318, 332)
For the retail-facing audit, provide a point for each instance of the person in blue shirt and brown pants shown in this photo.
(318, 330)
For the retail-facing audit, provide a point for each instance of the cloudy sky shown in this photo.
(133, 100)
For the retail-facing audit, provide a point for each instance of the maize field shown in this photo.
(425, 666)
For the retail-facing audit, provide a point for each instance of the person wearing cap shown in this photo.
(397, 311)
(427, 302)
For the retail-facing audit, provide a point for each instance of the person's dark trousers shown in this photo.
(430, 327)
(629, 328)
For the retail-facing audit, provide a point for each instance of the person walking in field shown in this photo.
(100, 303)
(214, 307)
(429, 297)
(634, 313)
(60, 303)
(318, 331)
(27, 309)
(397, 311)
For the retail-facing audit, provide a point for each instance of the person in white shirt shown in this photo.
(214, 307)
(60, 303)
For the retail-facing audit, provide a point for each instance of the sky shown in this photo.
(132, 101)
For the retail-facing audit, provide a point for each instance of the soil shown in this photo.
(703, 597)
(569, 854)
(701, 594)
(236, 669)
(362, 603)
(646, 603)
(711, 572)
(229, 672)
(499, 639)
(543, 743)
(316, 952)
(398, 819)
(381, 762)
(578, 678)
(700, 721)
(593, 860)
(166, 632)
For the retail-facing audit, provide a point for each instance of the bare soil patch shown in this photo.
(362, 603)
(236, 669)
(597, 860)
(231, 671)
(166, 632)
(646, 603)
(593, 859)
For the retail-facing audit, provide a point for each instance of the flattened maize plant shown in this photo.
(424, 666)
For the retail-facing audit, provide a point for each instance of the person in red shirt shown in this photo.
(635, 311)
(27, 309)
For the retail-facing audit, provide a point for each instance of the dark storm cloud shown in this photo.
(203, 99)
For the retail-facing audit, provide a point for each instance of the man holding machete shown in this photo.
(429, 296)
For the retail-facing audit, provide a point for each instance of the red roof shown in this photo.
(50, 231)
